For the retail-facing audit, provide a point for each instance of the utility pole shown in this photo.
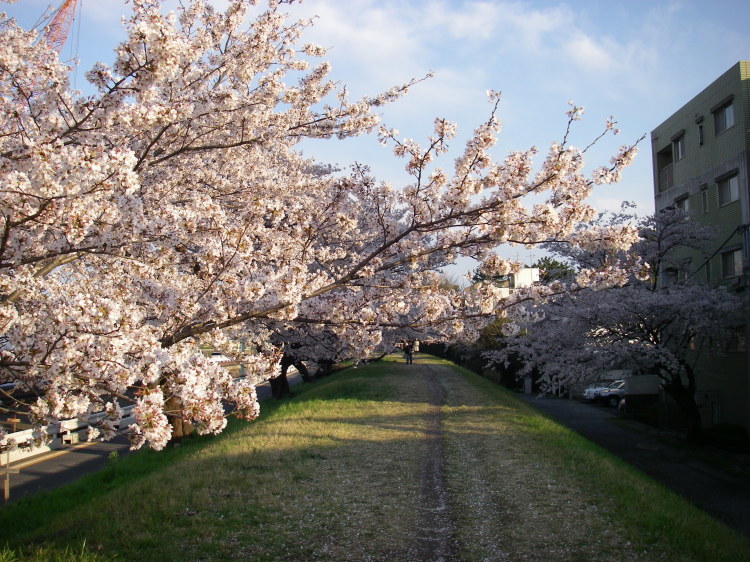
(7, 470)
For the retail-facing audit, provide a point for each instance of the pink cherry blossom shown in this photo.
(171, 213)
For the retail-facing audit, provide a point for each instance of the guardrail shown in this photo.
(68, 432)
(62, 434)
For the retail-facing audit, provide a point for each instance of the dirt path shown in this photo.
(435, 527)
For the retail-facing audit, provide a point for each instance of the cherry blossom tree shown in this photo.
(171, 210)
(663, 324)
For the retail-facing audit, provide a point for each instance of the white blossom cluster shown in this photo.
(170, 211)
(639, 323)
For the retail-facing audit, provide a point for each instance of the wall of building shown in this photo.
(724, 381)
(695, 175)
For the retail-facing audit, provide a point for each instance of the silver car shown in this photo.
(592, 392)
(613, 393)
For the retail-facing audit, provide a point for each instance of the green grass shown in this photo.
(44, 554)
(656, 521)
(334, 474)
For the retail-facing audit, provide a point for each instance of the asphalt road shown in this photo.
(711, 479)
(62, 466)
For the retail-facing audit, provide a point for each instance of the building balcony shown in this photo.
(666, 177)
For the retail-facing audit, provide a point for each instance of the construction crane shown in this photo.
(56, 31)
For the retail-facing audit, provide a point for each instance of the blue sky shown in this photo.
(638, 60)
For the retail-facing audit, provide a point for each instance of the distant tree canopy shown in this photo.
(478, 276)
(551, 269)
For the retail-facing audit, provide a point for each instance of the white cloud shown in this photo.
(586, 53)
(468, 22)
(368, 51)
(506, 25)
(109, 13)
(534, 29)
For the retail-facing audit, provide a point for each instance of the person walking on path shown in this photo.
(409, 352)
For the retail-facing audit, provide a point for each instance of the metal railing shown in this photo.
(666, 177)
(62, 434)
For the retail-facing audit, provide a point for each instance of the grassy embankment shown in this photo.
(335, 474)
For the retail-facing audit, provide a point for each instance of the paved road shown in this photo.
(63, 466)
(718, 488)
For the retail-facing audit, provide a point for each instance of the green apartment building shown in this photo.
(700, 164)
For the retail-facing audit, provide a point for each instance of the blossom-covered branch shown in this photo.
(171, 212)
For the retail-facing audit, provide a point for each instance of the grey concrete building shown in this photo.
(700, 164)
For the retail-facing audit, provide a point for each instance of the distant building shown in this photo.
(700, 164)
(525, 277)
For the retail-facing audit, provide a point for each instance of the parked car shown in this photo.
(592, 392)
(613, 393)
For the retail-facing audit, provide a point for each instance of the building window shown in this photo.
(671, 276)
(704, 200)
(700, 134)
(731, 264)
(683, 204)
(723, 118)
(737, 342)
(729, 189)
(677, 273)
(678, 147)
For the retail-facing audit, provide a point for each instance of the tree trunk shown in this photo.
(302, 368)
(325, 368)
(280, 387)
(685, 399)
(280, 384)
(181, 428)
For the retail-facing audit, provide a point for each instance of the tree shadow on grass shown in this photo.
(347, 448)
